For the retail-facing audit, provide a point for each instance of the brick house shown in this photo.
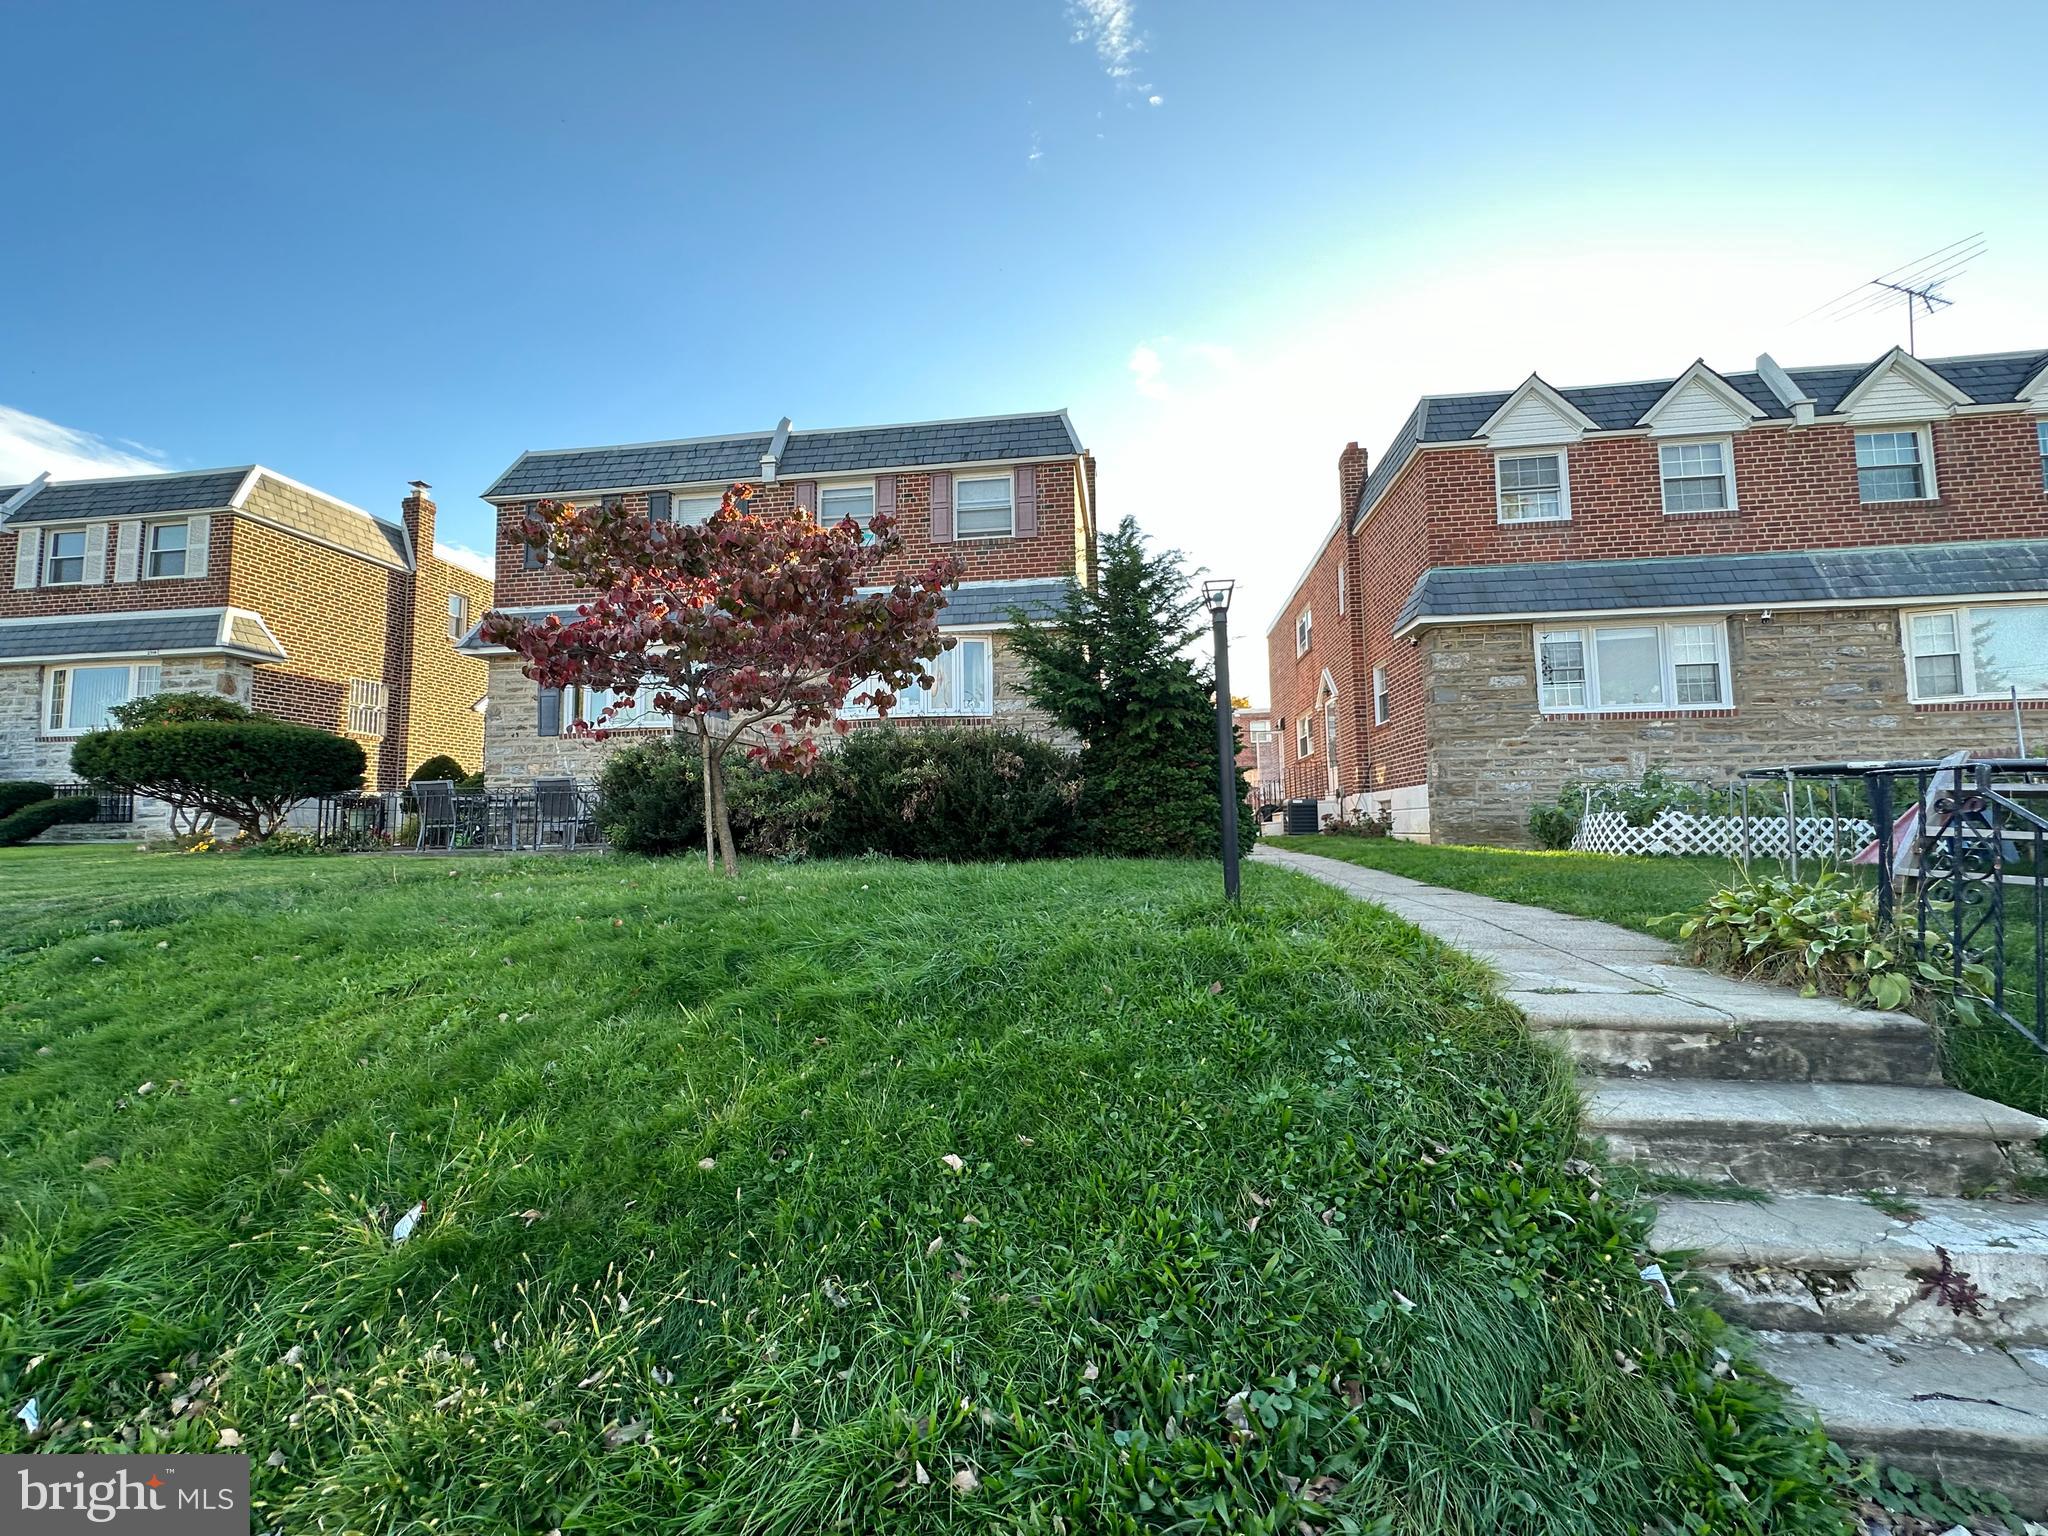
(1258, 756)
(1012, 496)
(1709, 572)
(240, 582)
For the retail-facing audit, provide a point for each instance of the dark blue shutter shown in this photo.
(657, 506)
(551, 712)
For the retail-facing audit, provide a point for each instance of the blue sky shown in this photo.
(368, 243)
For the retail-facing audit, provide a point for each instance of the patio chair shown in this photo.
(557, 812)
(435, 800)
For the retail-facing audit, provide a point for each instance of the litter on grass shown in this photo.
(408, 1222)
(31, 1415)
(1653, 1274)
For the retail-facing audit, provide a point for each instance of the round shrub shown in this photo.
(16, 793)
(179, 709)
(438, 767)
(952, 794)
(651, 800)
(249, 771)
(37, 817)
(1553, 826)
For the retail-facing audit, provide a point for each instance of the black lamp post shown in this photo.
(1217, 595)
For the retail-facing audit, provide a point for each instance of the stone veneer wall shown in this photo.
(1809, 686)
(25, 753)
(515, 752)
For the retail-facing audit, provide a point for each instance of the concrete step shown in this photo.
(1820, 1138)
(1630, 1034)
(1837, 1264)
(1973, 1416)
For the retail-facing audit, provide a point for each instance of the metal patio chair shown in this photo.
(434, 800)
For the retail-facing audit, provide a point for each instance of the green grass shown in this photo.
(1267, 1218)
(1988, 1058)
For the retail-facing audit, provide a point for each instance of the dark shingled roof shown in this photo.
(711, 460)
(973, 604)
(1848, 576)
(200, 490)
(1990, 380)
(133, 634)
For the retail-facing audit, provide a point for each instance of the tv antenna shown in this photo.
(1917, 284)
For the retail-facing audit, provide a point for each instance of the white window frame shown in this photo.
(1342, 594)
(1304, 631)
(52, 690)
(915, 702)
(1586, 635)
(1729, 501)
(50, 556)
(1009, 482)
(1304, 737)
(827, 487)
(1564, 485)
(1965, 656)
(639, 714)
(367, 711)
(150, 551)
(458, 615)
(2041, 442)
(1929, 490)
(1382, 703)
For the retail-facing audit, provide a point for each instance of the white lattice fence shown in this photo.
(1678, 832)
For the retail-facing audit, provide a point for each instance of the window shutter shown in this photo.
(1025, 486)
(95, 554)
(942, 507)
(127, 550)
(658, 506)
(198, 535)
(551, 711)
(885, 495)
(807, 498)
(28, 556)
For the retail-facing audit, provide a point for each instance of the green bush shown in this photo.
(16, 793)
(250, 771)
(179, 709)
(1553, 826)
(963, 795)
(440, 766)
(651, 800)
(36, 818)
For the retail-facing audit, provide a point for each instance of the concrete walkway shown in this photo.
(1823, 1106)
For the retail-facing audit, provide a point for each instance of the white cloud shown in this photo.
(1037, 152)
(1190, 362)
(29, 445)
(1146, 366)
(1111, 29)
(469, 559)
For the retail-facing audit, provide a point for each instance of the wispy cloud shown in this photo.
(1110, 28)
(1148, 372)
(29, 445)
(469, 559)
(1194, 362)
(1037, 151)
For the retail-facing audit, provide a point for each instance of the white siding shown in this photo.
(1895, 397)
(1533, 422)
(1697, 411)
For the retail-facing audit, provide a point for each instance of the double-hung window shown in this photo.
(1597, 667)
(1303, 627)
(1532, 487)
(963, 684)
(2041, 442)
(836, 503)
(633, 713)
(1893, 465)
(166, 555)
(1697, 477)
(77, 699)
(64, 558)
(1979, 653)
(458, 615)
(1304, 736)
(1382, 709)
(984, 507)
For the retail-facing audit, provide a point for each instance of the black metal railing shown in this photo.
(116, 807)
(1960, 854)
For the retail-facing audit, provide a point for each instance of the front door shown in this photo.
(1330, 746)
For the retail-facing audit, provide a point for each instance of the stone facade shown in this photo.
(1818, 684)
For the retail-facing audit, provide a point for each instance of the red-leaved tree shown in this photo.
(751, 628)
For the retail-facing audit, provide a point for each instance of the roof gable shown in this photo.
(1536, 413)
(1899, 387)
(1700, 400)
(2035, 391)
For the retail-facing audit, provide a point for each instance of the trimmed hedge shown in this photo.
(36, 818)
(249, 771)
(963, 795)
(179, 709)
(16, 793)
(651, 800)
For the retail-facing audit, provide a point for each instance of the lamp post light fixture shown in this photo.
(1216, 595)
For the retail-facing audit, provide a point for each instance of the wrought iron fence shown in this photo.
(116, 806)
(1960, 855)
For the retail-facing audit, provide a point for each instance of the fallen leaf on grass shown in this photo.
(625, 1434)
(1091, 1372)
(1215, 988)
(274, 1459)
(923, 1477)
(530, 1217)
(229, 1439)
(934, 1246)
(964, 1481)
(952, 1161)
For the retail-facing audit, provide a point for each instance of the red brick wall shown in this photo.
(1052, 551)
(1393, 551)
(208, 591)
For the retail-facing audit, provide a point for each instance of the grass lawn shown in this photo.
(1262, 1219)
(1988, 1059)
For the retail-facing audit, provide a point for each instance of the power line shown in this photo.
(1916, 283)
(1905, 269)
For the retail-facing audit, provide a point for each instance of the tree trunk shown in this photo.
(710, 813)
(722, 816)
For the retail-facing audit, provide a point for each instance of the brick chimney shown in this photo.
(419, 520)
(1350, 480)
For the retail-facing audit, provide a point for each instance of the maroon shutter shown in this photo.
(942, 507)
(807, 498)
(885, 495)
(1024, 485)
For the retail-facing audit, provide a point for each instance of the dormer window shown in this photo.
(1697, 477)
(64, 560)
(166, 550)
(1894, 465)
(836, 503)
(1532, 487)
